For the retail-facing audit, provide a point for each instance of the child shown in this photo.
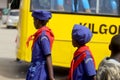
(82, 66)
(109, 68)
(41, 64)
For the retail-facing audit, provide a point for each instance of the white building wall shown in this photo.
(3, 3)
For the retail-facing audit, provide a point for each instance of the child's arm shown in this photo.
(94, 78)
(90, 66)
(47, 52)
(50, 68)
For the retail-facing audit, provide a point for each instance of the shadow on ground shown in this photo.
(11, 69)
(4, 27)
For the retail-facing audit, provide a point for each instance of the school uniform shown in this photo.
(86, 68)
(83, 64)
(40, 49)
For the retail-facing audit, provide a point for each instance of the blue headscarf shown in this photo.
(81, 34)
(41, 15)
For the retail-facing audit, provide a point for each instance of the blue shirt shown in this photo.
(86, 69)
(41, 48)
(38, 68)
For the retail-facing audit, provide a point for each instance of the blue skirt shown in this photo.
(37, 71)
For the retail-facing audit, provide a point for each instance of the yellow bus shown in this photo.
(102, 19)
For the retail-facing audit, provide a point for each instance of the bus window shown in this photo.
(54, 5)
(68, 5)
(60, 5)
(83, 6)
(92, 5)
(41, 4)
(64, 5)
(78, 6)
(108, 6)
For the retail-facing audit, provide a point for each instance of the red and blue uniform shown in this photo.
(83, 65)
(42, 44)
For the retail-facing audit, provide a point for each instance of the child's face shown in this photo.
(36, 22)
(75, 43)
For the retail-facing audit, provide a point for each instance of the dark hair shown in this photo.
(115, 44)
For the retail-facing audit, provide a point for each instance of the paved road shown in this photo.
(11, 70)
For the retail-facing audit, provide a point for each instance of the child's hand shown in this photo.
(52, 79)
(63, 79)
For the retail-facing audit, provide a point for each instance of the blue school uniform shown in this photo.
(82, 65)
(38, 67)
(85, 69)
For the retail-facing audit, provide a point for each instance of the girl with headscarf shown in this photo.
(82, 65)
